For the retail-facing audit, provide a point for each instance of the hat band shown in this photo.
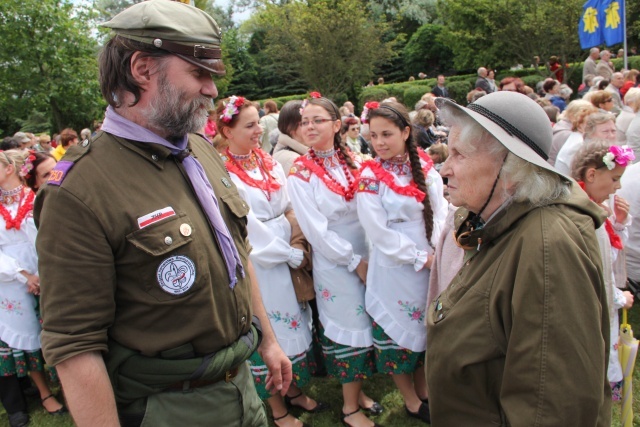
(196, 51)
(508, 127)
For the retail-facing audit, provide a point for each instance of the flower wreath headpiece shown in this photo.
(231, 108)
(25, 170)
(371, 105)
(622, 155)
(314, 95)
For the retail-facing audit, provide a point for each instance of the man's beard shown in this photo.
(172, 112)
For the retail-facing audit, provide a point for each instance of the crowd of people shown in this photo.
(224, 255)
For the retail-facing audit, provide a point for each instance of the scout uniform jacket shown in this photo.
(126, 253)
(521, 335)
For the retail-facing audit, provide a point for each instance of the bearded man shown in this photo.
(148, 293)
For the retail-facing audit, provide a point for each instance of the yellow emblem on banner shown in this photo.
(613, 15)
(590, 19)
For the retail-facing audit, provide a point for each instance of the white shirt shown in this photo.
(568, 152)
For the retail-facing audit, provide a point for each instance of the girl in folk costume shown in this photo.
(598, 167)
(322, 186)
(261, 183)
(19, 284)
(402, 208)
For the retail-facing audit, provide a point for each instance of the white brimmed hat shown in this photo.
(514, 119)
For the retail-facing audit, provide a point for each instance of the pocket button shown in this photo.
(168, 240)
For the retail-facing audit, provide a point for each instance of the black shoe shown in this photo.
(18, 419)
(60, 411)
(423, 413)
(375, 409)
(320, 406)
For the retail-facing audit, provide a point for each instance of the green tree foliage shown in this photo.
(332, 44)
(47, 64)
(502, 33)
(426, 53)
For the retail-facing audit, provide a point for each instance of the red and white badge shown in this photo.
(153, 217)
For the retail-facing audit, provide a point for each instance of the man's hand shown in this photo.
(280, 372)
(279, 366)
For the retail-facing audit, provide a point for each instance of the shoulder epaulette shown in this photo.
(70, 158)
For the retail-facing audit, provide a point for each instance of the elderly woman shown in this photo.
(520, 336)
(628, 113)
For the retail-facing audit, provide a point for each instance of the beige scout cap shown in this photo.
(183, 30)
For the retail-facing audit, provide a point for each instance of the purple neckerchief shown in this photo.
(117, 125)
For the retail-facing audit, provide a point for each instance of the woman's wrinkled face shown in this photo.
(471, 173)
(353, 131)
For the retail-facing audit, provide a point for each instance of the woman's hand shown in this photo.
(361, 270)
(628, 296)
(33, 282)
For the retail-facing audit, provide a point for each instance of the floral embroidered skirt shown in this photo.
(347, 364)
(19, 362)
(302, 365)
(391, 358)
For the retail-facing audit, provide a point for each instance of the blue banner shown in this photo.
(610, 16)
(590, 28)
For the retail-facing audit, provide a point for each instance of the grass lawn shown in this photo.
(380, 388)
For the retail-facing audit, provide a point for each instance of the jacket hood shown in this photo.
(578, 202)
(285, 141)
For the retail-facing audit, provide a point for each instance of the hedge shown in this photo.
(413, 95)
(409, 92)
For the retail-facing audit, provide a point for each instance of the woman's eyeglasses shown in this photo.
(316, 122)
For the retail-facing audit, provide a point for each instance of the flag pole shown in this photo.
(624, 29)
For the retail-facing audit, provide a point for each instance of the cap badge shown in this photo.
(157, 43)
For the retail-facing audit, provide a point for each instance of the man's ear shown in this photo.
(141, 68)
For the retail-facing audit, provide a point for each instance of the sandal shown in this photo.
(274, 419)
(344, 417)
(374, 409)
(60, 411)
(320, 406)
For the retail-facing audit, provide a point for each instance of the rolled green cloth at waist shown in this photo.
(134, 376)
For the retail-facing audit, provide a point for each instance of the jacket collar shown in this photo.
(510, 214)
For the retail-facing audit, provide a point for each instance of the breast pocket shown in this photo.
(236, 204)
(167, 242)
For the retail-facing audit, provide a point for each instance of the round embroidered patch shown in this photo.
(176, 275)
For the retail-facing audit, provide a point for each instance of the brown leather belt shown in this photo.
(188, 385)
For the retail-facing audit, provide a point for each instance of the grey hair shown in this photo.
(594, 120)
(632, 99)
(521, 180)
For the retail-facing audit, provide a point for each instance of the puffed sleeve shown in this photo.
(439, 205)
(374, 220)
(78, 276)
(268, 250)
(314, 225)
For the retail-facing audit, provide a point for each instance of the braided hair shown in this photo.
(340, 147)
(397, 114)
(590, 155)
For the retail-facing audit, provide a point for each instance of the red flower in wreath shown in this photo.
(371, 105)
(315, 95)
